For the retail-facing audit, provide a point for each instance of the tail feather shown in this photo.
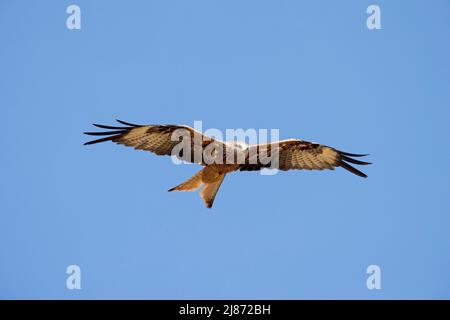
(211, 185)
(208, 193)
(190, 185)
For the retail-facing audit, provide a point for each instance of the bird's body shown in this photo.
(220, 158)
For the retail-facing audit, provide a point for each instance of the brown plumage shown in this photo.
(165, 139)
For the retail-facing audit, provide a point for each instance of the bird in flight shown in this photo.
(219, 157)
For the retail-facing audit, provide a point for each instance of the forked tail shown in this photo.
(212, 185)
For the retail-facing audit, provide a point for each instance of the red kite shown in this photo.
(215, 154)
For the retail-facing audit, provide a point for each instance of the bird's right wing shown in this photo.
(159, 139)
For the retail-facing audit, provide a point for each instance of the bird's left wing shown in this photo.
(159, 139)
(300, 154)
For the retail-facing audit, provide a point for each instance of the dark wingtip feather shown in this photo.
(353, 170)
(351, 154)
(102, 139)
(128, 124)
(102, 126)
(116, 132)
(104, 133)
(354, 161)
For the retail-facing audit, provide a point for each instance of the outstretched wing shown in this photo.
(159, 139)
(300, 154)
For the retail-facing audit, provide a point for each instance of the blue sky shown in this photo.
(310, 68)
